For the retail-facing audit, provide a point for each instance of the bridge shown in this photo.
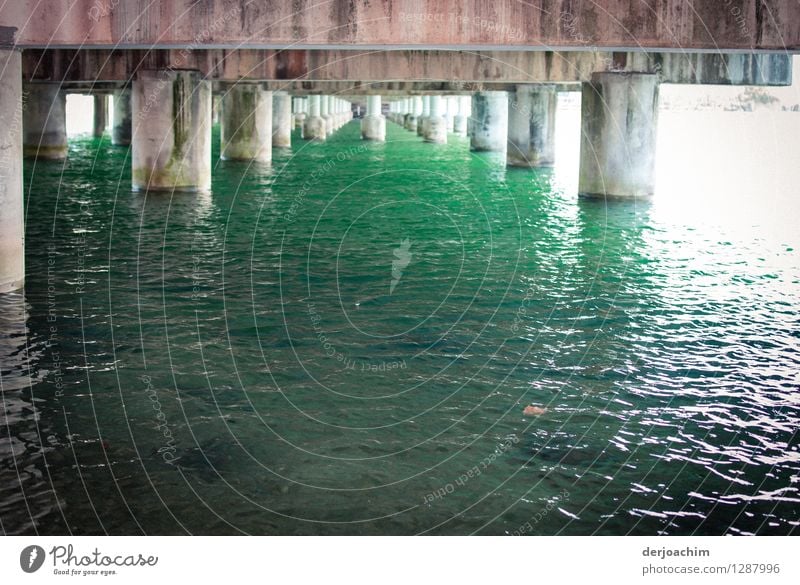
(492, 70)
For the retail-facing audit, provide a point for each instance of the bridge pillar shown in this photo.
(325, 113)
(281, 120)
(373, 125)
(246, 127)
(12, 229)
(462, 114)
(171, 143)
(414, 114)
(339, 112)
(489, 121)
(121, 122)
(314, 128)
(216, 106)
(436, 130)
(299, 113)
(619, 113)
(45, 122)
(422, 121)
(100, 115)
(531, 126)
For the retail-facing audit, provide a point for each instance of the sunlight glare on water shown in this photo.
(344, 342)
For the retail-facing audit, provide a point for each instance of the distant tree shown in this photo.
(757, 96)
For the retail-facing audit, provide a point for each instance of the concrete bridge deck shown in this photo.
(699, 25)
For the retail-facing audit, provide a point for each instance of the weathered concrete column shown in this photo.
(281, 120)
(298, 114)
(12, 228)
(408, 109)
(422, 121)
(462, 113)
(619, 115)
(45, 122)
(339, 113)
(171, 144)
(489, 121)
(531, 126)
(416, 112)
(246, 127)
(216, 106)
(121, 122)
(325, 113)
(315, 128)
(436, 130)
(451, 107)
(100, 115)
(373, 125)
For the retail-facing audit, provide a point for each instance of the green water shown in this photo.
(250, 360)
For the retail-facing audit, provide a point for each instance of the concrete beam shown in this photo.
(304, 67)
(451, 24)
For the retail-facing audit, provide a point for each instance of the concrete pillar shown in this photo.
(422, 121)
(333, 119)
(281, 120)
(325, 113)
(216, 106)
(12, 228)
(45, 122)
(415, 113)
(531, 126)
(100, 115)
(121, 123)
(315, 128)
(373, 125)
(462, 114)
(298, 115)
(619, 115)
(436, 127)
(489, 121)
(171, 144)
(450, 108)
(246, 128)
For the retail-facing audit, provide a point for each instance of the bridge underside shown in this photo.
(488, 69)
(403, 71)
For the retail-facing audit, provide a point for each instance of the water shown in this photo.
(248, 361)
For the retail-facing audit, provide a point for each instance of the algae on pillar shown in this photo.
(281, 120)
(489, 121)
(531, 126)
(171, 146)
(45, 122)
(246, 128)
(100, 115)
(121, 122)
(619, 114)
(436, 126)
(373, 125)
(12, 228)
(314, 128)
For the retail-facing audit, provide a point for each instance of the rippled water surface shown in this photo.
(252, 361)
